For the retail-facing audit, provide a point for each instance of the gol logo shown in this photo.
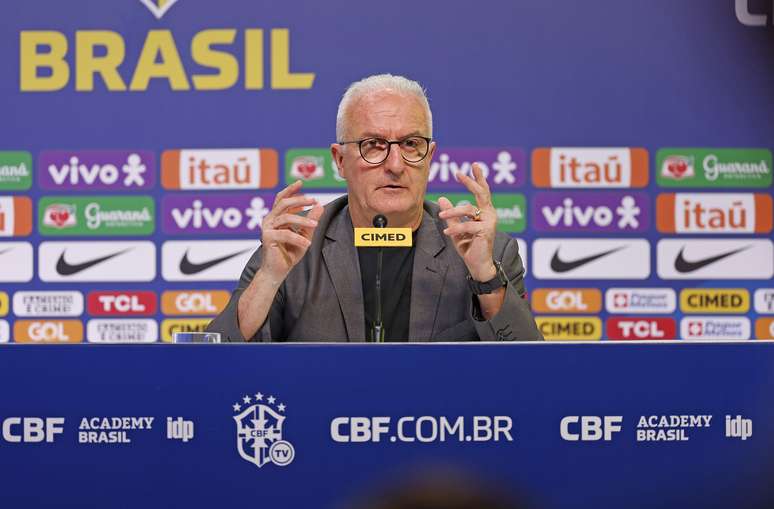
(566, 328)
(48, 331)
(219, 169)
(714, 300)
(567, 300)
(169, 327)
(129, 303)
(641, 328)
(764, 328)
(194, 302)
(3, 303)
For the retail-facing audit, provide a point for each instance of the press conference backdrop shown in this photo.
(627, 144)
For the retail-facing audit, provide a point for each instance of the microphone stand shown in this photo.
(377, 331)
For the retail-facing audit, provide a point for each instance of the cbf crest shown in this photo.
(259, 424)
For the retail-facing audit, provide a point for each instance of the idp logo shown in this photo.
(49, 331)
(194, 302)
(97, 170)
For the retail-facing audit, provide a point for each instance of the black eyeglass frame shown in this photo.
(389, 147)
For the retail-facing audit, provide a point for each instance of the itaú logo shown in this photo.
(49, 59)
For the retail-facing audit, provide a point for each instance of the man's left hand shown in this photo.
(472, 228)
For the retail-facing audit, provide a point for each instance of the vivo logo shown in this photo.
(96, 169)
(603, 212)
(236, 213)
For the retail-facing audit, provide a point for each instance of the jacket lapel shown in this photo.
(428, 279)
(344, 269)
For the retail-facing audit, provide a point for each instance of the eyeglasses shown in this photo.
(376, 150)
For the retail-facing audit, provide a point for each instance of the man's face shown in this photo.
(394, 187)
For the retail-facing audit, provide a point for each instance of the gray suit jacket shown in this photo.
(322, 297)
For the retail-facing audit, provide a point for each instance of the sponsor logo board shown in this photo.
(569, 328)
(764, 301)
(3, 304)
(121, 330)
(122, 303)
(34, 304)
(214, 213)
(566, 300)
(671, 428)
(503, 168)
(260, 421)
(97, 261)
(96, 215)
(581, 167)
(194, 302)
(714, 213)
(16, 262)
(315, 166)
(511, 208)
(637, 328)
(180, 429)
(640, 300)
(591, 258)
(715, 259)
(172, 325)
(5, 331)
(193, 260)
(707, 167)
(764, 328)
(48, 331)
(219, 169)
(15, 216)
(15, 170)
(712, 327)
(593, 212)
(714, 300)
(589, 428)
(96, 170)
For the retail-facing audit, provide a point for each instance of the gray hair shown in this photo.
(376, 83)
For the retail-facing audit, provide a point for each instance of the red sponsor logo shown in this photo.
(128, 303)
(641, 328)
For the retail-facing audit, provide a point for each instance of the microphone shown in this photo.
(377, 330)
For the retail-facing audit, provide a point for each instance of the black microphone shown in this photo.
(377, 330)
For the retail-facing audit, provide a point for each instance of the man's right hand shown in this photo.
(285, 235)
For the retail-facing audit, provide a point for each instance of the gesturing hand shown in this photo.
(285, 235)
(472, 232)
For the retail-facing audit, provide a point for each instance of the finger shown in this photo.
(291, 220)
(289, 190)
(460, 211)
(446, 205)
(286, 237)
(483, 197)
(286, 204)
(478, 174)
(468, 228)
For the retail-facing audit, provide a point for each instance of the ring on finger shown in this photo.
(476, 214)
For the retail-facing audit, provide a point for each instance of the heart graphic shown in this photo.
(59, 217)
(677, 168)
(306, 170)
(158, 7)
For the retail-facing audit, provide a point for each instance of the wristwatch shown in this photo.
(500, 280)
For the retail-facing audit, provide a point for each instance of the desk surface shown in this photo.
(541, 420)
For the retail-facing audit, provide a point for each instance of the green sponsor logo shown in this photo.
(15, 171)
(722, 167)
(511, 208)
(314, 166)
(96, 215)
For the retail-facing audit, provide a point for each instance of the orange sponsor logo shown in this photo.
(194, 302)
(764, 328)
(586, 167)
(219, 169)
(15, 216)
(714, 213)
(566, 300)
(48, 331)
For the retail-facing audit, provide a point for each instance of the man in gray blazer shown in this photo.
(460, 281)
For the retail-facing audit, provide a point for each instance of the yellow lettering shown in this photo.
(281, 77)
(87, 64)
(159, 42)
(30, 61)
(203, 54)
(254, 59)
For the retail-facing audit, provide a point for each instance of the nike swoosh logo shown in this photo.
(66, 269)
(189, 268)
(683, 265)
(559, 265)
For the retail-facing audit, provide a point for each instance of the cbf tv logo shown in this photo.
(259, 424)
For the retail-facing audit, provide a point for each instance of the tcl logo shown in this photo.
(590, 428)
(641, 328)
(194, 302)
(53, 331)
(32, 430)
(131, 303)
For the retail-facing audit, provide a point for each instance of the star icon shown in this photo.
(237, 408)
(246, 399)
(281, 407)
(272, 399)
(258, 396)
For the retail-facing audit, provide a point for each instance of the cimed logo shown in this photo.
(259, 424)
